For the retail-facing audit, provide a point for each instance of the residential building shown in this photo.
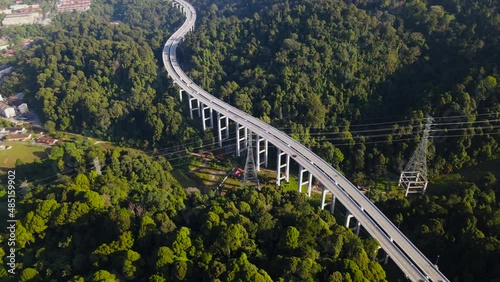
(20, 19)
(31, 8)
(73, 5)
(18, 137)
(18, 7)
(6, 110)
(46, 140)
(23, 108)
(15, 130)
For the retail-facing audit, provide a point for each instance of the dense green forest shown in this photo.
(90, 76)
(134, 223)
(331, 65)
(353, 80)
(328, 72)
(331, 72)
(459, 221)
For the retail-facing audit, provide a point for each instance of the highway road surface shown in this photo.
(402, 251)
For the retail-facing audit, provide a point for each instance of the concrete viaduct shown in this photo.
(206, 106)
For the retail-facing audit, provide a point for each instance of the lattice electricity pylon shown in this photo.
(250, 174)
(97, 166)
(414, 177)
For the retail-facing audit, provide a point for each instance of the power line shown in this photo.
(469, 122)
(483, 114)
(402, 133)
(397, 122)
(85, 168)
(386, 129)
(465, 128)
(408, 139)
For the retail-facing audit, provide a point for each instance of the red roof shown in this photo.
(45, 140)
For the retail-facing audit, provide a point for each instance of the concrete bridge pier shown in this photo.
(286, 165)
(358, 228)
(323, 200)
(204, 117)
(308, 182)
(259, 152)
(348, 221)
(324, 191)
(193, 108)
(386, 258)
(332, 206)
(180, 94)
(240, 139)
(221, 127)
(376, 253)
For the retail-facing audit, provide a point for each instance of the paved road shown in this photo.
(408, 258)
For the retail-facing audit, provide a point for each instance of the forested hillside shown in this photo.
(353, 80)
(134, 223)
(328, 66)
(89, 75)
(456, 224)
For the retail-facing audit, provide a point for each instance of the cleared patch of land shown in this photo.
(20, 150)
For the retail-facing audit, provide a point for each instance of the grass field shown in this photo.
(20, 150)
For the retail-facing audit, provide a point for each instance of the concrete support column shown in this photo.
(263, 151)
(286, 165)
(323, 197)
(348, 219)
(309, 185)
(332, 206)
(221, 127)
(204, 117)
(358, 228)
(240, 139)
(192, 107)
(387, 255)
(308, 182)
(180, 94)
(376, 253)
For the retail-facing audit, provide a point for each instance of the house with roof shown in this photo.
(15, 130)
(17, 137)
(73, 5)
(46, 140)
(20, 19)
(23, 108)
(6, 110)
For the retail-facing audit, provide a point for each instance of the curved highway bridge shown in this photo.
(408, 258)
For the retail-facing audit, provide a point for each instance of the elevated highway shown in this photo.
(402, 251)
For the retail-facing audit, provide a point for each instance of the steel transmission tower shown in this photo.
(250, 174)
(414, 177)
(97, 166)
